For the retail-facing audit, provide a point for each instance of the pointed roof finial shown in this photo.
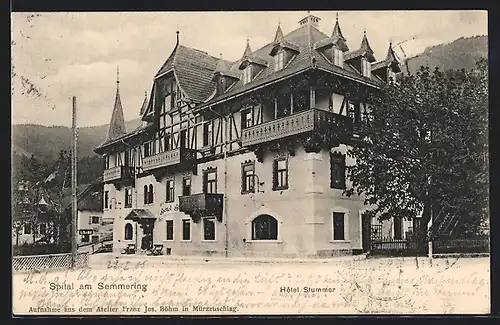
(177, 32)
(278, 37)
(337, 16)
(117, 74)
(248, 50)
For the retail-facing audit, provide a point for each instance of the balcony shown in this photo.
(202, 204)
(312, 121)
(118, 174)
(169, 158)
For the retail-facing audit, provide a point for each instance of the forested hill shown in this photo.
(462, 53)
(46, 142)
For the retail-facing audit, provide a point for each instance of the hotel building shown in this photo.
(246, 158)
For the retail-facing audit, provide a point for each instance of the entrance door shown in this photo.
(147, 238)
(366, 224)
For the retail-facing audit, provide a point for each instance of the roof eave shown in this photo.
(256, 87)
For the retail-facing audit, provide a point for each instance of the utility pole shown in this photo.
(74, 214)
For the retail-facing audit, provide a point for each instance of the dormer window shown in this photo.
(391, 76)
(338, 57)
(279, 60)
(247, 74)
(366, 68)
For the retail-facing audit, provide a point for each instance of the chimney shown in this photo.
(310, 20)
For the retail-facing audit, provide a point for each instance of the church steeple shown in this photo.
(278, 37)
(117, 124)
(248, 50)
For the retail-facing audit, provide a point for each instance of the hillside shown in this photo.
(462, 53)
(46, 142)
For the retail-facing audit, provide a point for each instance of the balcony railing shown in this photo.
(118, 173)
(312, 120)
(169, 158)
(202, 204)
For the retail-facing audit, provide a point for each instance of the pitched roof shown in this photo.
(390, 60)
(193, 70)
(144, 103)
(116, 126)
(301, 62)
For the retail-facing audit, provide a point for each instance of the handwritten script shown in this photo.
(395, 286)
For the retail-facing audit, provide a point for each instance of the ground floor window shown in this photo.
(264, 227)
(95, 238)
(27, 228)
(186, 229)
(128, 231)
(43, 229)
(85, 238)
(338, 226)
(170, 230)
(209, 229)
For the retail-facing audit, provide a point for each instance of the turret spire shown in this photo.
(248, 50)
(278, 37)
(365, 45)
(117, 123)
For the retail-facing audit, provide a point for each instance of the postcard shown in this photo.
(250, 163)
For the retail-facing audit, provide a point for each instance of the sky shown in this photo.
(77, 54)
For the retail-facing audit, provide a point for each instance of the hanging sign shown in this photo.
(86, 231)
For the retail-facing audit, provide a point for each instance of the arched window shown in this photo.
(150, 193)
(128, 231)
(264, 227)
(146, 194)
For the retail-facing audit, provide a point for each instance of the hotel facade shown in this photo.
(246, 158)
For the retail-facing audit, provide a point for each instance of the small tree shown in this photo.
(425, 149)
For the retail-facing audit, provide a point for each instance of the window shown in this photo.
(391, 76)
(147, 149)
(366, 68)
(280, 174)
(337, 171)
(85, 238)
(264, 227)
(168, 143)
(170, 190)
(27, 228)
(170, 230)
(247, 74)
(168, 103)
(338, 57)
(43, 229)
(279, 60)
(338, 226)
(207, 133)
(208, 228)
(128, 231)
(186, 186)
(247, 177)
(94, 220)
(246, 118)
(186, 229)
(106, 162)
(184, 139)
(146, 196)
(398, 228)
(128, 198)
(210, 181)
(106, 199)
(150, 194)
(357, 112)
